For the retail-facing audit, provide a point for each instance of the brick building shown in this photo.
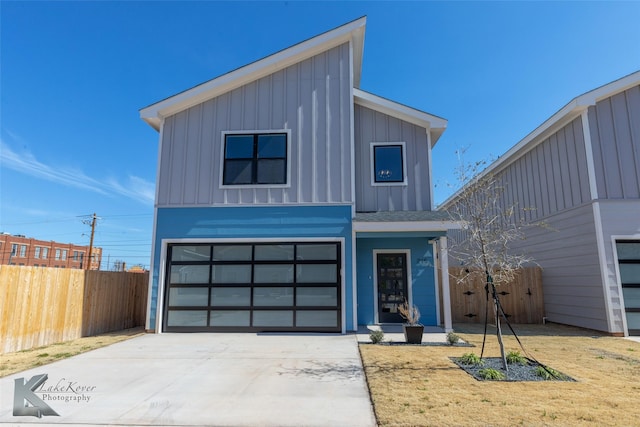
(27, 251)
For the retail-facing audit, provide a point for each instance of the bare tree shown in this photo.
(489, 226)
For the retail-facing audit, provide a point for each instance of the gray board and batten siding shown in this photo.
(373, 126)
(549, 185)
(615, 137)
(550, 178)
(614, 124)
(311, 99)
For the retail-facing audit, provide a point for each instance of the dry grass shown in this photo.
(10, 363)
(421, 386)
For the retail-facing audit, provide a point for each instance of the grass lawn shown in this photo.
(11, 363)
(421, 386)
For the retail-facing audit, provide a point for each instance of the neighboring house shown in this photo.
(580, 172)
(27, 251)
(290, 200)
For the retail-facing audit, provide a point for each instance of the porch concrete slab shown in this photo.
(394, 333)
(207, 379)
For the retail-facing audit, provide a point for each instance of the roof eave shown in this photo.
(351, 32)
(570, 111)
(573, 109)
(435, 125)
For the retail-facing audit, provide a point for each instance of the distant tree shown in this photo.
(489, 227)
(118, 265)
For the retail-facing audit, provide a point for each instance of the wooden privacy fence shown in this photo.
(521, 300)
(41, 306)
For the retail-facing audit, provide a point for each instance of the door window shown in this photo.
(392, 286)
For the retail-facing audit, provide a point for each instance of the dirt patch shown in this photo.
(422, 386)
(10, 363)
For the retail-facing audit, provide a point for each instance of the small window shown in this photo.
(255, 159)
(14, 249)
(64, 254)
(57, 254)
(388, 163)
(37, 253)
(45, 253)
(23, 251)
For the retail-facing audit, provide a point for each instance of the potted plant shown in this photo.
(412, 328)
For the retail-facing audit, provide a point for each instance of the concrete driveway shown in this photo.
(202, 379)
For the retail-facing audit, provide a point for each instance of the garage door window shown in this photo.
(629, 265)
(253, 287)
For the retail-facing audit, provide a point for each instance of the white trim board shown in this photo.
(404, 226)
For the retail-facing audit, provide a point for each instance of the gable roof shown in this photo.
(570, 111)
(352, 31)
(435, 125)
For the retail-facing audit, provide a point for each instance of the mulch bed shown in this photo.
(516, 371)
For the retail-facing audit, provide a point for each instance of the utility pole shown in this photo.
(91, 221)
(93, 230)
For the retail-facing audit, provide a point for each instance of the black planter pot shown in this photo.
(413, 333)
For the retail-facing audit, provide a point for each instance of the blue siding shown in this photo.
(422, 280)
(255, 222)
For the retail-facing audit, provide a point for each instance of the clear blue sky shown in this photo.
(75, 74)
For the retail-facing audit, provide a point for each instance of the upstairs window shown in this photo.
(255, 159)
(388, 163)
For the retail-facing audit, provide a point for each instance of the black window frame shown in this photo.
(403, 161)
(255, 160)
(209, 307)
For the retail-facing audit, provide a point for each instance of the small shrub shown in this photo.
(547, 373)
(452, 338)
(376, 336)
(514, 357)
(471, 359)
(491, 374)
(43, 355)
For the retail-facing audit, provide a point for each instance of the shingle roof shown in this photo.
(402, 216)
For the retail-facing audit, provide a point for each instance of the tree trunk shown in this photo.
(499, 330)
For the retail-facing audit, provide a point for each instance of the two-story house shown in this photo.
(288, 199)
(578, 173)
